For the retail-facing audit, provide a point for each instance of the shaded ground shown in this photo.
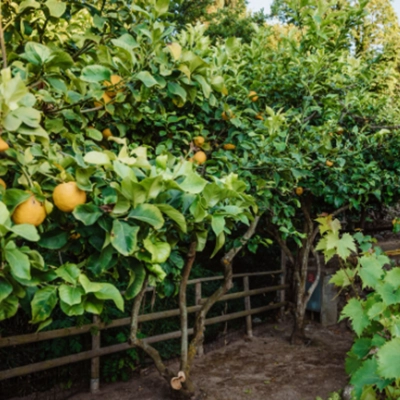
(266, 367)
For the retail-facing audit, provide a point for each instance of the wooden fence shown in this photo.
(97, 326)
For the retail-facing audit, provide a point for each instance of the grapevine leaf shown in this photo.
(355, 311)
(388, 359)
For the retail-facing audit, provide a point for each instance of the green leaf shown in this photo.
(93, 305)
(342, 277)
(367, 374)
(19, 263)
(56, 8)
(70, 295)
(137, 276)
(133, 191)
(371, 269)
(148, 213)
(36, 53)
(88, 286)
(27, 231)
(8, 307)
(173, 214)
(177, 90)
(355, 311)
(219, 243)
(72, 310)
(361, 347)
(388, 359)
(390, 294)
(193, 183)
(393, 277)
(54, 239)
(197, 210)
(345, 246)
(96, 157)
(110, 292)
(217, 224)
(147, 79)
(157, 270)
(159, 251)
(4, 214)
(376, 309)
(68, 272)
(201, 238)
(14, 197)
(5, 289)
(43, 303)
(124, 237)
(95, 73)
(88, 214)
(153, 186)
(44, 324)
(161, 7)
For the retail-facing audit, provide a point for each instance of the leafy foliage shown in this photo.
(144, 205)
(374, 316)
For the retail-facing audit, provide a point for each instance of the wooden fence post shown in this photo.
(282, 282)
(200, 351)
(247, 305)
(95, 363)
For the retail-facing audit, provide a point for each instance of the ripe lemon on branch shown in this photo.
(229, 146)
(2, 183)
(199, 158)
(299, 190)
(253, 96)
(3, 145)
(107, 133)
(105, 99)
(198, 141)
(67, 196)
(31, 211)
(116, 85)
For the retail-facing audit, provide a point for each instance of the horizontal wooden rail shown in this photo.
(59, 333)
(214, 278)
(238, 295)
(64, 332)
(86, 355)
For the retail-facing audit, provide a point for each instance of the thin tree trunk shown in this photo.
(198, 334)
(188, 386)
(301, 269)
(135, 341)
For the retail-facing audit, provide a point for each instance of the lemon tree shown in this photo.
(92, 202)
(315, 127)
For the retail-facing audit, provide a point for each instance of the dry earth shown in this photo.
(266, 367)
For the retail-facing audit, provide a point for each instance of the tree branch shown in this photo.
(314, 285)
(226, 261)
(135, 341)
(310, 117)
(182, 303)
(282, 243)
(2, 42)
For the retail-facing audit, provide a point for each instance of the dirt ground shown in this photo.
(266, 367)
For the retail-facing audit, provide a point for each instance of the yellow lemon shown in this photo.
(198, 141)
(200, 157)
(67, 196)
(30, 211)
(253, 96)
(3, 145)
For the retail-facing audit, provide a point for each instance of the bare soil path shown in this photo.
(266, 367)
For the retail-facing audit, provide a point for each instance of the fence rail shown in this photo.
(97, 326)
